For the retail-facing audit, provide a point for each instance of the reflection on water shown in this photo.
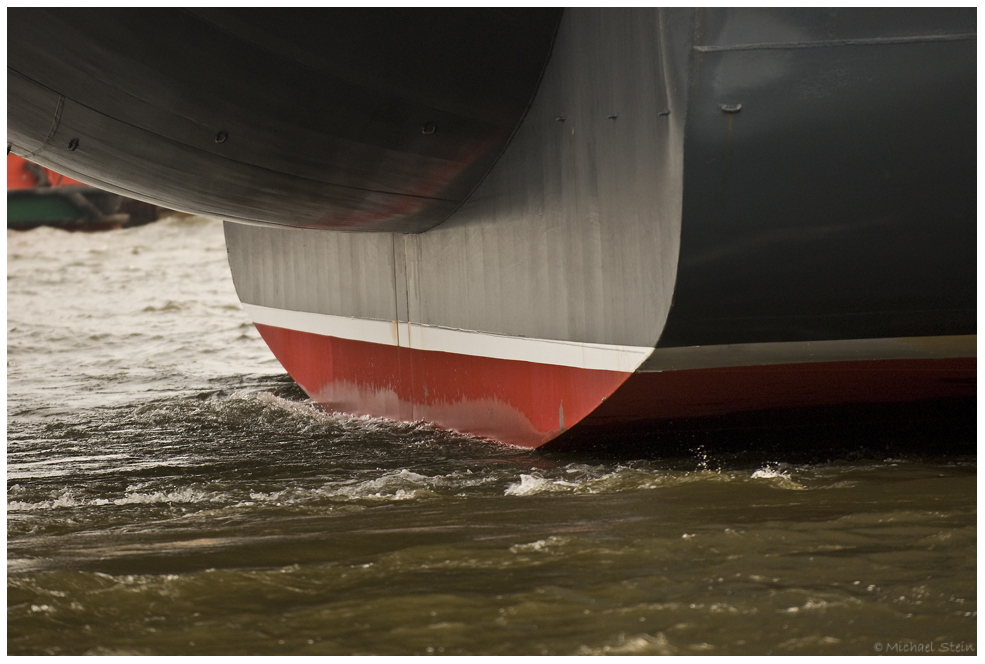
(170, 491)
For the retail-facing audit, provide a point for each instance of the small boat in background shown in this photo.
(38, 196)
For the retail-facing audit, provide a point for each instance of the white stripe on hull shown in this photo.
(608, 357)
(603, 357)
(801, 352)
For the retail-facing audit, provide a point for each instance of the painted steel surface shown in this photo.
(363, 119)
(810, 352)
(837, 199)
(769, 404)
(604, 357)
(521, 403)
(517, 261)
(690, 393)
(710, 183)
(573, 236)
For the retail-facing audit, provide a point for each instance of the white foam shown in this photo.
(536, 483)
(637, 644)
(782, 480)
(69, 497)
(539, 545)
(769, 472)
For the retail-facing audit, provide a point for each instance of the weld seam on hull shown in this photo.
(55, 122)
(869, 41)
(604, 357)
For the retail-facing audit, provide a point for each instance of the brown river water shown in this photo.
(170, 491)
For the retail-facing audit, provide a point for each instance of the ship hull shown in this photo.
(539, 223)
(805, 394)
(523, 403)
(494, 389)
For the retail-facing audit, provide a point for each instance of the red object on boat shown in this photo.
(20, 175)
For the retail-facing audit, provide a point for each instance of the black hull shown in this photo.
(622, 180)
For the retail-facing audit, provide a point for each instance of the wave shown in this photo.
(378, 485)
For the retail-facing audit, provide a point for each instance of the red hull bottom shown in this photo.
(928, 405)
(528, 404)
(709, 392)
(520, 403)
